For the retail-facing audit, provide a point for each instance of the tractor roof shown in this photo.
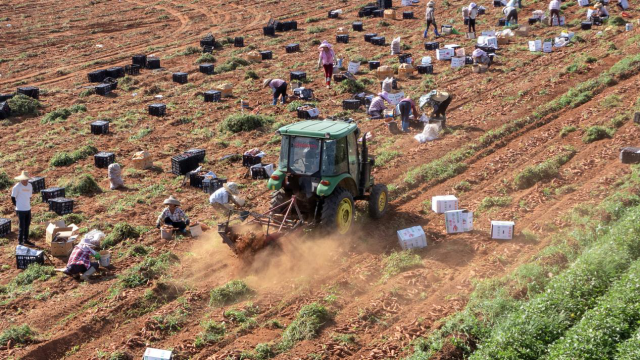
(319, 129)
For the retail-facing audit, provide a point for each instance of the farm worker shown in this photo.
(473, 13)
(221, 197)
(601, 11)
(80, 259)
(554, 10)
(326, 59)
(115, 176)
(279, 87)
(479, 56)
(21, 199)
(515, 4)
(431, 19)
(377, 105)
(407, 107)
(172, 215)
(439, 101)
(512, 15)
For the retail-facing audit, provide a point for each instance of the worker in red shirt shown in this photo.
(80, 259)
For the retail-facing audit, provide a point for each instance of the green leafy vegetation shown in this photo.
(398, 262)
(17, 335)
(62, 114)
(596, 132)
(315, 29)
(206, 58)
(212, 332)
(350, 86)
(294, 105)
(23, 105)
(543, 171)
(121, 232)
(305, 326)
(150, 268)
(494, 201)
(84, 184)
(231, 64)
(65, 159)
(5, 180)
(567, 130)
(229, 293)
(236, 123)
(32, 273)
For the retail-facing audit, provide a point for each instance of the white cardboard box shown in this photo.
(547, 47)
(535, 45)
(457, 221)
(502, 230)
(443, 203)
(444, 54)
(457, 62)
(156, 354)
(412, 238)
(60, 227)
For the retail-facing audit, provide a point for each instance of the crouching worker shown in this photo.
(172, 215)
(279, 88)
(377, 105)
(407, 107)
(80, 259)
(439, 102)
(224, 198)
(480, 57)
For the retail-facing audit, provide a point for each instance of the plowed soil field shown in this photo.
(500, 118)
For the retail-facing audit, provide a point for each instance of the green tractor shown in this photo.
(321, 172)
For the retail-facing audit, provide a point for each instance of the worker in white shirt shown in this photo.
(222, 198)
(21, 198)
(554, 10)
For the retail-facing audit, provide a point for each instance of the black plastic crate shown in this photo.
(115, 72)
(306, 94)
(238, 41)
(532, 21)
(636, 117)
(104, 159)
(208, 49)
(425, 69)
(368, 37)
(351, 104)
(276, 24)
(487, 49)
(356, 26)
(266, 55)
(23, 261)
(195, 180)
(297, 75)
(5, 227)
(258, 173)
(103, 89)
(384, 4)
(210, 186)
(140, 60)
(364, 13)
(5, 110)
(339, 78)
(481, 11)
(208, 40)
(250, 160)
(100, 127)
(404, 58)
(378, 13)
(597, 20)
(332, 14)
(432, 45)
(290, 25)
(184, 163)
(407, 14)
(212, 96)
(291, 48)
(630, 155)
(497, 3)
(52, 193)
(207, 69)
(198, 154)
(132, 69)
(180, 78)
(37, 183)
(374, 65)
(378, 40)
(61, 205)
(342, 39)
(586, 25)
(5, 97)
(97, 76)
(307, 114)
(269, 31)
(30, 91)
(157, 109)
(153, 63)
(502, 22)
(468, 60)
(112, 82)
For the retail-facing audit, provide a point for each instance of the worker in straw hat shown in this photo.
(172, 215)
(279, 87)
(80, 259)
(326, 59)
(377, 105)
(439, 101)
(21, 198)
(431, 19)
(223, 198)
(601, 11)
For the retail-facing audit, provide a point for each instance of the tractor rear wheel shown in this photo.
(277, 198)
(337, 211)
(378, 201)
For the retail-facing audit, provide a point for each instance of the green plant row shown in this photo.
(65, 159)
(62, 114)
(229, 293)
(613, 320)
(150, 268)
(629, 349)
(527, 332)
(305, 326)
(543, 171)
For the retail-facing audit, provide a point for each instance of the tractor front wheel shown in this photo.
(378, 201)
(337, 211)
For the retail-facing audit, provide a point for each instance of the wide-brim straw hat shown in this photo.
(431, 4)
(232, 188)
(23, 176)
(90, 242)
(440, 96)
(598, 6)
(266, 82)
(171, 201)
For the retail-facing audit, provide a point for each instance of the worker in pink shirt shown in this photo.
(326, 59)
